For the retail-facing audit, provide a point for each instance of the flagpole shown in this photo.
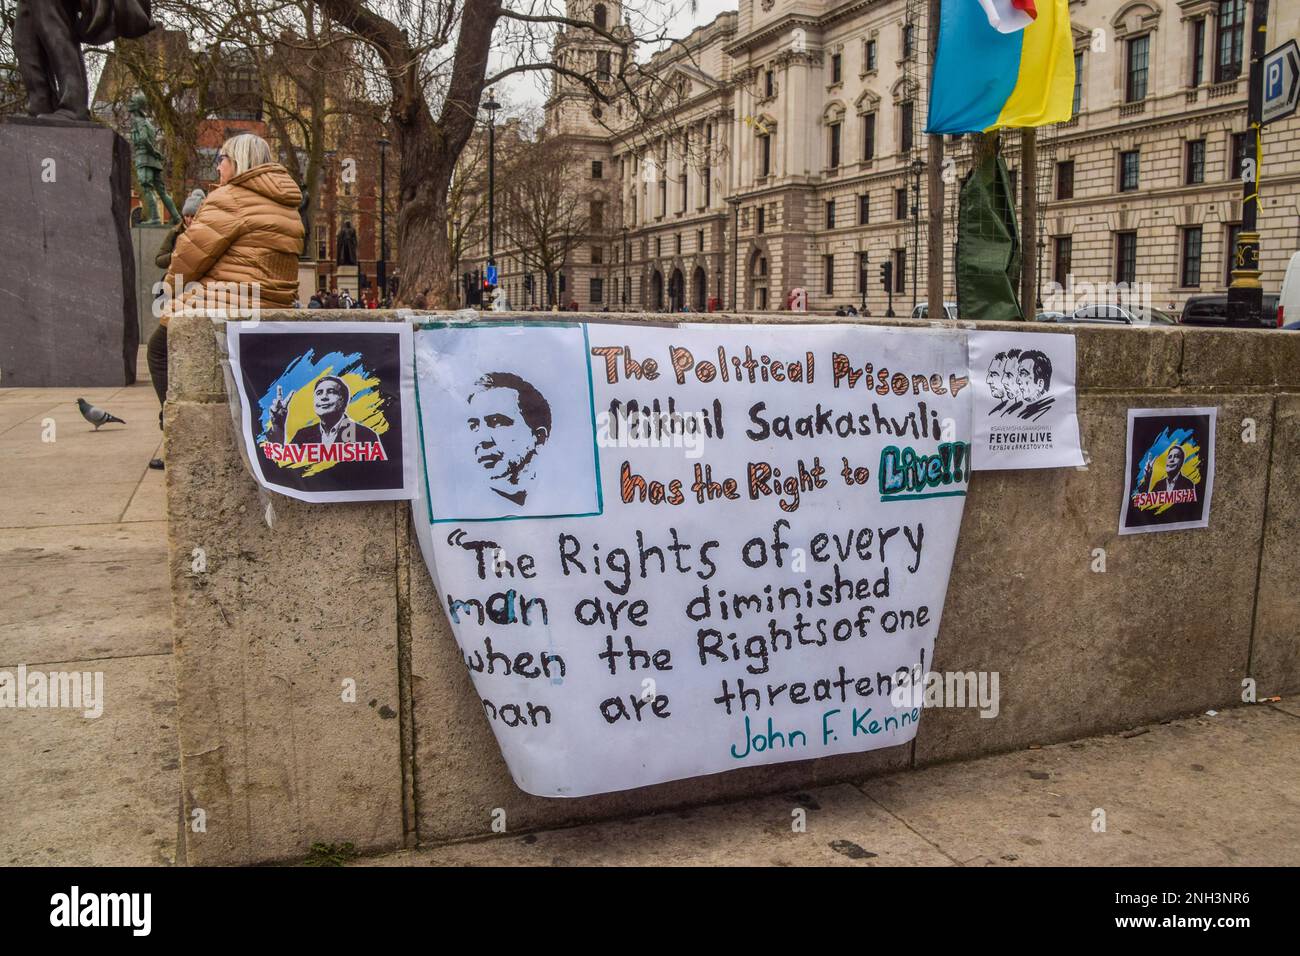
(934, 187)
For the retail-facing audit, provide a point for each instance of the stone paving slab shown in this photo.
(1201, 791)
(95, 792)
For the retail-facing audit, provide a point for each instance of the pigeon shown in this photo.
(96, 416)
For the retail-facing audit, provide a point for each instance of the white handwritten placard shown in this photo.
(667, 552)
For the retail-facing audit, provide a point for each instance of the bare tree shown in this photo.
(545, 216)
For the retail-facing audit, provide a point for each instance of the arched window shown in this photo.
(599, 17)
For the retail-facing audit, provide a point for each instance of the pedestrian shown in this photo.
(246, 235)
(332, 300)
(314, 302)
(156, 349)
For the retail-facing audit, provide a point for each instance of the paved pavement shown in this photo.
(1209, 791)
(84, 587)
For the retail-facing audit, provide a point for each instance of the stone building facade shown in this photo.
(787, 151)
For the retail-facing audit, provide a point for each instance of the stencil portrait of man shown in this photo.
(508, 421)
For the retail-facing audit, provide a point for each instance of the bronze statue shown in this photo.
(148, 163)
(47, 41)
(346, 246)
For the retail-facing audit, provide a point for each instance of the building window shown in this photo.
(706, 180)
(868, 136)
(834, 146)
(1232, 33)
(765, 155)
(597, 169)
(837, 72)
(1198, 52)
(909, 34)
(322, 243)
(905, 126)
(599, 16)
(677, 244)
(760, 223)
(596, 215)
(828, 271)
(900, 270)
(1238, 158)
(762, 265)
(1230, 252)
(1195, 162)
(596, 292)
(1078, 84)
(597, 255)
(869, 57)
(603, 71)
(1126, 244)
(864, 209)
(862, 274)
(1139, 57)
(1191, 275)
(1062, 252)
(681, 202)
(1129, 163)
(1065, 179)
(900, 203)
(830, 214)
(659, 247)
(699, 240)
(769, 83)
(663, 198)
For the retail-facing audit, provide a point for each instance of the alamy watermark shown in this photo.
(952, 689)
(65, 690)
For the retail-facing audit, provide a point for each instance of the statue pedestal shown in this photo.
(145, 241)
(348, 280)
(307, 281)
(65, 256)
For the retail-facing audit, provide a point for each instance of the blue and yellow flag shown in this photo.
(985, 79)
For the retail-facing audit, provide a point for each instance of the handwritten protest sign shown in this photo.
(667, 552)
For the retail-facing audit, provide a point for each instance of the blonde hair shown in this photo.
(246, 151)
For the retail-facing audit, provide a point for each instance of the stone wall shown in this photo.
(268, 633)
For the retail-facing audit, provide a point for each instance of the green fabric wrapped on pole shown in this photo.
(988, 245)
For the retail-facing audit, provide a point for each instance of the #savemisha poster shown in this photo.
(667, 552)
(1169, 469)
(326, 407)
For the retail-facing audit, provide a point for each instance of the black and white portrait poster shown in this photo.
(1169, 469)
(1024, 400)
(674, 551)
(327, 409)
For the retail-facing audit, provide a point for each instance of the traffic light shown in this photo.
(887, 274)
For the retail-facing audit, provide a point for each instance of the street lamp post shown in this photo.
(381, 267)
(734, 202)
(917, 167)
(1245, 294)
(492, 106)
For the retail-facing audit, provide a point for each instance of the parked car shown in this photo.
(1050, 317)
(923, 311)
(1119, 315)
(1213, 310)
(1288, 299)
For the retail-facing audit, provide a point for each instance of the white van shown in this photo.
(1288, 300)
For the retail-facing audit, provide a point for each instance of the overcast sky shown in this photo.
(529, 90)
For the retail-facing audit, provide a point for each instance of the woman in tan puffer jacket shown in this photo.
(248, 233)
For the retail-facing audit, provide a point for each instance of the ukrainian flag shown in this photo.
(985, 79)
